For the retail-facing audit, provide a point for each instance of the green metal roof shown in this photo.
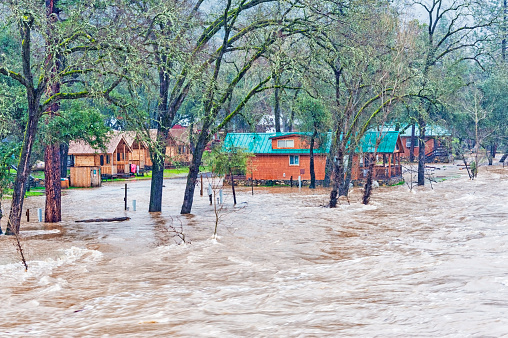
(387, 144)
(261, 143)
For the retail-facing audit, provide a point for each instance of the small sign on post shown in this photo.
(133, 205)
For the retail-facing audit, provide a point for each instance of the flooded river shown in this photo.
(428, 263)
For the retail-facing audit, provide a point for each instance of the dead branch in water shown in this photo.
(116, 219)
(20, 250)
(176, 231)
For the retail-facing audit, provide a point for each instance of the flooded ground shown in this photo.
(431, 262)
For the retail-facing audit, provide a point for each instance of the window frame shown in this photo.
(295, 163)
(284, 143)
(408, 143)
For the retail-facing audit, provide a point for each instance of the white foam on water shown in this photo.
(30, 233)
(42, 269)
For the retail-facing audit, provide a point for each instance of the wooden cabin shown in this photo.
(113, 160)
(140, 154)
(286, 156)
(437, 143)
(387, 156)
(178, 150)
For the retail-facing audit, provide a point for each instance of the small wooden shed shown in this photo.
(85, 177)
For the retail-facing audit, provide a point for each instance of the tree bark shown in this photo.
(52, 170)
(503, 41)
(158, 157)
(421, 152)
(64, 152)
(164, 119)
(53, 210)
(277, 103)
(368, 183)
(23, 170)
(412, 148)
(233, 187)
(328, 172)
(338, 177)
(192, 177)
(311, 153)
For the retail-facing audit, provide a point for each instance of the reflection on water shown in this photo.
(421, 263)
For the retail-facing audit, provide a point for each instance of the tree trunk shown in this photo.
(53, 210)
(328, 172)
(503, 41)
(311, 153)
(64, 152)
(192, 177)
(158, 157)
(421, 153)
(368, 184)
(412, 148)
(277, 104)
(338, 178)
(233, 187)
(349, 169)
(1, 215)
(52, 170)
(164, 120)
(23, 171)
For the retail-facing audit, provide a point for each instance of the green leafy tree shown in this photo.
(63, 56)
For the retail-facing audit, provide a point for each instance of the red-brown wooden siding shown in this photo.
(273, 167)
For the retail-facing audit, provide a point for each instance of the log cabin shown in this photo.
(286, 156)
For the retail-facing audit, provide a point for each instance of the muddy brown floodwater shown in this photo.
(431, 263)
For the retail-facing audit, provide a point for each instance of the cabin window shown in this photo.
(118, 157)
(285, 143)
(102, 159)
(294, 160)
(408, 143)
(108, 160)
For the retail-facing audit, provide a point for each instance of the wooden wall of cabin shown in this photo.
(273, 167)
(85, 177)
(88, 160)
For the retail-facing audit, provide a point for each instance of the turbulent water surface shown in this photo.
(431, 262)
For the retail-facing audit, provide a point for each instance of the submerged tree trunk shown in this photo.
(233, 187)
(338, 178)
(311, 153)
(349, 169)
(164, 120)
(23, 170)
(192, 177)
(421, 153)
(368, 183)
(158, 157)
